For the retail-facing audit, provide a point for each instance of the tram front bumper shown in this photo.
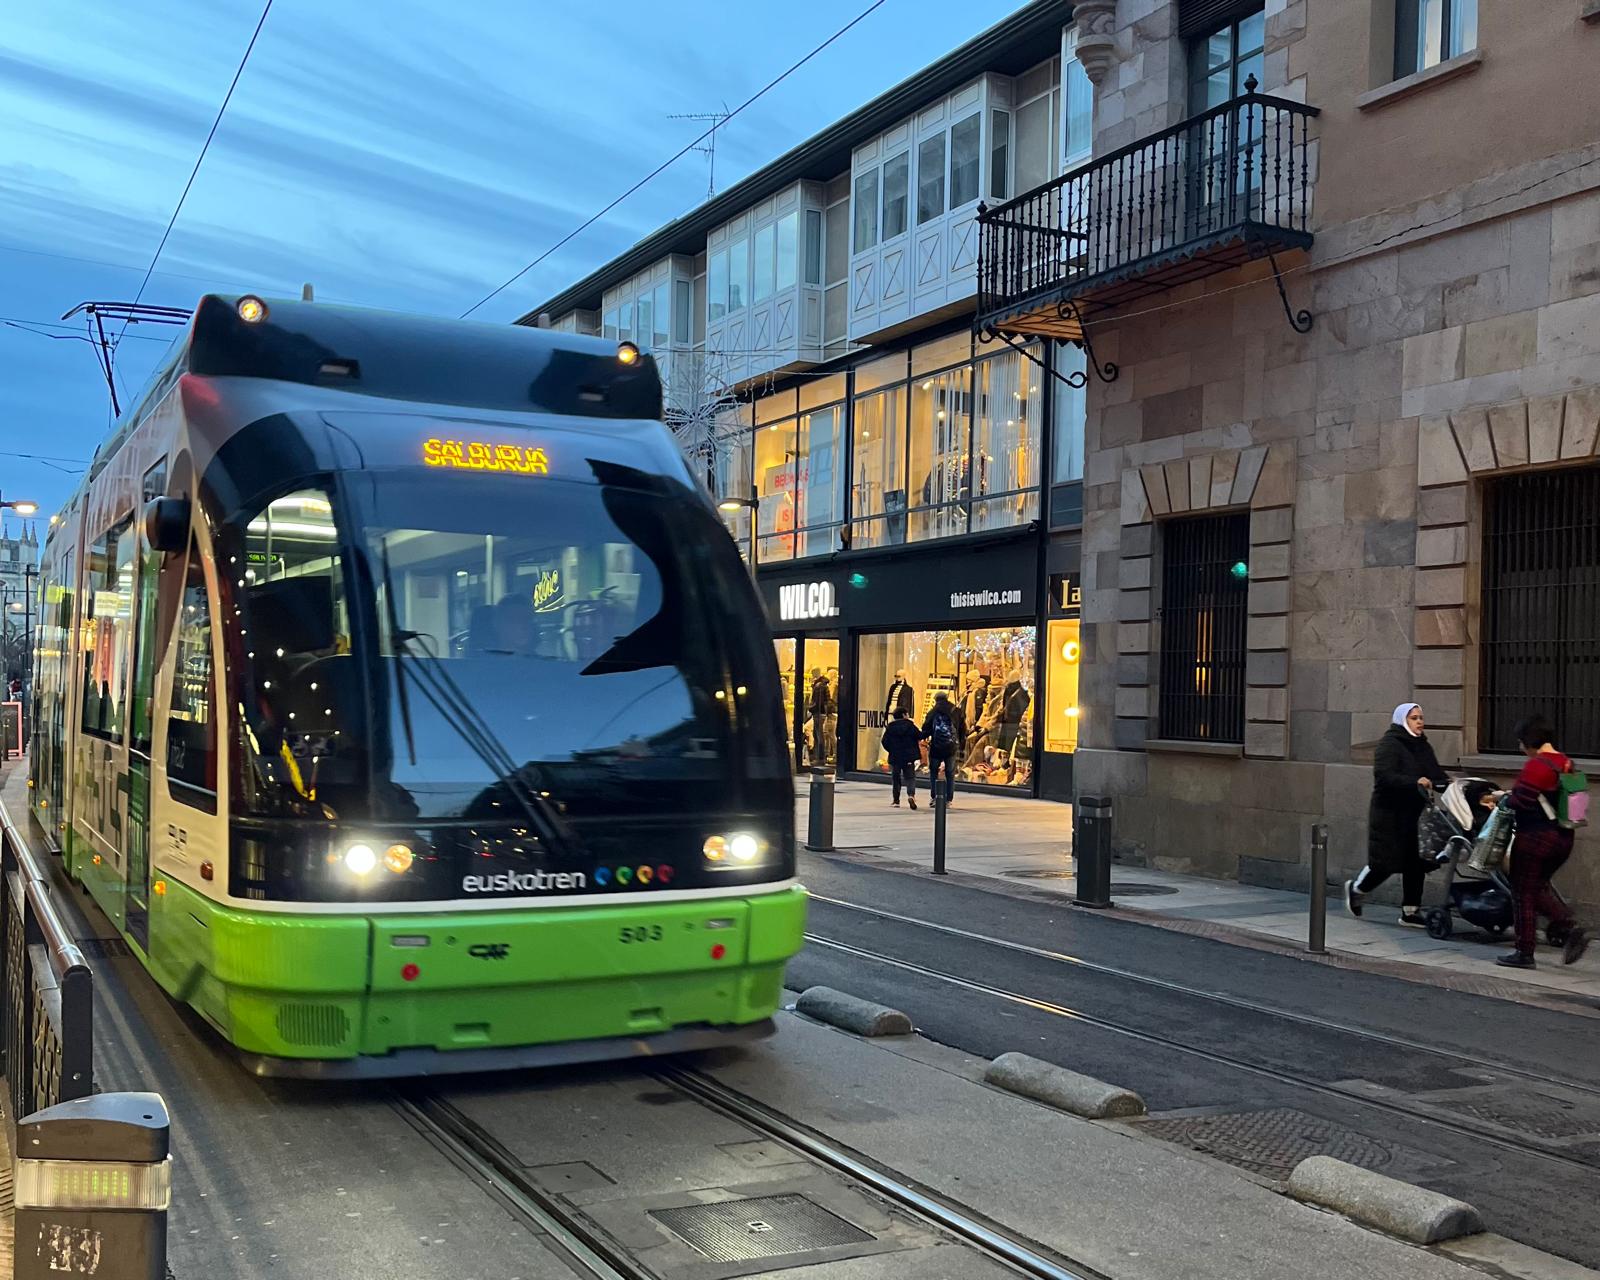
(615, 978)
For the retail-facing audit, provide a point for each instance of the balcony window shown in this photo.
(999, 154)
(836, 273)
(866, 210)
(738, 274)
(878, 480)
(786, 250)
(930, 179)
(1220, 62)
(1006, 437)
(698, 330)
(1077, 135)
(625, 321)
(813, 247)
(819, 480)
(644, 313)
(896, 177)
(717, 285)
(663, 310)
(764, 239)
(775, 488)
(682, 310)
(608, 324)
(965, 153)
(1034, 133)
(941, 432)
(1428, 32)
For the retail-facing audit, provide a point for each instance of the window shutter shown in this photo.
(1202, 17)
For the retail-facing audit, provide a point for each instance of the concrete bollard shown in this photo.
(851, 1013)
(819, 815)
(1412, 1213)
(1045, 1082)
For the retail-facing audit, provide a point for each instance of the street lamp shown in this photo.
(22, 507)
(731, 505)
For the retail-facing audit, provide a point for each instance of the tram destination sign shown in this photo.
(480, 455)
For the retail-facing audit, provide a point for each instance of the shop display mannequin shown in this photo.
(901, 696)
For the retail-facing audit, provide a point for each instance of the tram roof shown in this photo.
(421, 359)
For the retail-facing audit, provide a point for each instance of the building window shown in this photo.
(1062, 663)
(662, 310)
(866, 210)
(999, 154)
(644, 313)
(682, 311)
(1071, 414)
(836, 277)
(989, 673)
(764, 262)
(930, 179)
(786, 250)
(1006, 436)
(1077, 134)
(1220, 63)
(896, 177)
(775, 488)
(941, 458)
(819, 485)
(878, 481)
(717, 285)
(1428, 32)
(1204, 592)
(965, 152)
(1541, 608)
(1037, 125)
(813, 246)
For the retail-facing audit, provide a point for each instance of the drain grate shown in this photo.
(1273, 1141)
(760, 1227)
(1536, 1113)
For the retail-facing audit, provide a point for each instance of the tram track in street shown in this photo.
(591, 1253)
(1291, 1079)
(1200, 993)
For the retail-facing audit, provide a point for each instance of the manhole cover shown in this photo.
(1271, 1142)
(760, 1227)
(1536, 1113)
(1119, 888)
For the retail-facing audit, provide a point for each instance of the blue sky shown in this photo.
(412, 162)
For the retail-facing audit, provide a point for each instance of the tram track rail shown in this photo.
(1316, 1021)
(1290, 1079)
(591, 1254)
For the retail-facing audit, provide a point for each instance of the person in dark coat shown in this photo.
(901, 696)
(1014, 706)
(902, 744)
(946, 733)
(1405, 771)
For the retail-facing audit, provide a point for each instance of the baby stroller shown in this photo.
(1468, 834)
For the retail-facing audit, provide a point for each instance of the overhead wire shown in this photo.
(200, 159)
(672, 160)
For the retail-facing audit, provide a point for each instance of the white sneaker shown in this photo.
(1352, 899)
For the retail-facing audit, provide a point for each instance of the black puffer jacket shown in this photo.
(1397, 801)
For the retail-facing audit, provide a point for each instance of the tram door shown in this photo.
(136, 895)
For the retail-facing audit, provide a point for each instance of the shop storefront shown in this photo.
(857, 635)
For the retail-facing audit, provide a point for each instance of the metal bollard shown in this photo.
(1092, 846)
(1316, 933)
(819, 818)
(941, 805)
(93, 1182)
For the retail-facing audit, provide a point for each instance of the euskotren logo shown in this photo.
(546, 881)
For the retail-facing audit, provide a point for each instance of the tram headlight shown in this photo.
(398, 858)
(251, 309)
(735, 849)
(359, 859)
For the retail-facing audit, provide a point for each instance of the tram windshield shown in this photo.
(429, 648)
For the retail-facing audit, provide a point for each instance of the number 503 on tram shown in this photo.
(404, 703)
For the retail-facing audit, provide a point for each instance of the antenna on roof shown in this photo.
(708, 148)
(305, 293)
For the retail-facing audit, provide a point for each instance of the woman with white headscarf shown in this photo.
(1404, 771)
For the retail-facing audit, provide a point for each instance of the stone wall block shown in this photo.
(1508, 432)
(1267, 633)
(1581, 423)
(1444, 708)
(1432, 668)
(1135, 502)
(1501, 344)
(1178, 485)
(1224, 467)
(1267, 527)
(1431, 358)
(1249, 472)
(1133, 703)
(1444, 506)
(1471, 429)
(1437, 548)
(1155, 489)
(1441, 587)
(1129, 735)
(1269, 597)
(1266, 704)
(1139, 540)
(1439, 458)
(1389, 543)
(1269, 562)
(1445, 628)
(1133, 668)
(1133, 573)
(1133, 606)
(1199, 483)
(1545, 416)
(1133, 637)
(1275, 488)
(1321, 502)
(1266, 669)
(1266, 740)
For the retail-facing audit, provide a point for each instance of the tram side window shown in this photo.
(192, 721)
(108, 632)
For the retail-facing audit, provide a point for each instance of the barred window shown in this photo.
(1540, 646)
(1204, 592)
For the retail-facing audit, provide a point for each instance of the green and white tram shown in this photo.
(404, 703)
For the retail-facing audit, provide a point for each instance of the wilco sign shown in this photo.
(804, 600)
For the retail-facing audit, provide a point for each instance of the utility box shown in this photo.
(93, 1183)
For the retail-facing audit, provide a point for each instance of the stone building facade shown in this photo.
(1453, 285)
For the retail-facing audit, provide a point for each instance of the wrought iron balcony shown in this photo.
(1224, 187)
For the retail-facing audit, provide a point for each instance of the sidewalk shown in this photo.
(1027, 844)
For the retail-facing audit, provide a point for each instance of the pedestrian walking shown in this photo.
(1541, 848)
(946, 735)
(1405, 772)
(820, 705)
(902, 743)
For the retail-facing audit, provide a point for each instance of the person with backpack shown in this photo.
(945, 734)
(1550, 799)
(902, 743)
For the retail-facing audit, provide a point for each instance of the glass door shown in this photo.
(819, 663)
(787, 650)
